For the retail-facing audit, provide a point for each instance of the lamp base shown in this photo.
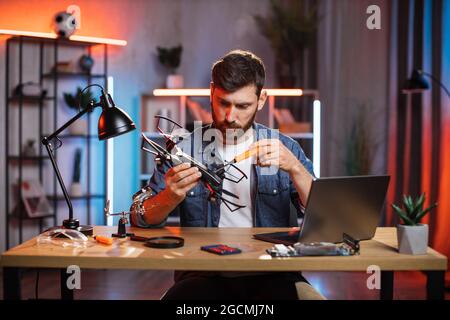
(75, 225)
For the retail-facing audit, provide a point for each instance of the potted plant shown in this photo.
(360, 143)
(77, 102)
(290, 30)
(412, 235)
(171, 59)
(75, 188)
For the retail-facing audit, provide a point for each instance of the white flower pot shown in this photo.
(174, 81)
(412, 239)
(76, 189)
(79, 127)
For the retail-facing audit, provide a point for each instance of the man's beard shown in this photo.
(235, 130)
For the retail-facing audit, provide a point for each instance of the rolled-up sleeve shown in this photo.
(300, 154)
(156, 184)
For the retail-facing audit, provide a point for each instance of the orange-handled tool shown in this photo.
(245, 155)
(104, 240)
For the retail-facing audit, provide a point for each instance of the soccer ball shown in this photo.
(64, 24)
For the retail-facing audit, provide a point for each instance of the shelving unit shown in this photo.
(49, 80)
(74, 75)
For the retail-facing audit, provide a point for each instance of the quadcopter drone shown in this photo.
(172, 155)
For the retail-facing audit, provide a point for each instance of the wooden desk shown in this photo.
(126, 254)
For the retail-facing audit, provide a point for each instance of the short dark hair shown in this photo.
(237, 69)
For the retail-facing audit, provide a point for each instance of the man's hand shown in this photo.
(179, 180)
(272, 152)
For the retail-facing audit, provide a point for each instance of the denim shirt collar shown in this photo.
(261, 133)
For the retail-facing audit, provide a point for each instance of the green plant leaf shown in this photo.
(403, 215)
(418, 206)
(70, 101)
(79, 99)
(409, 206)
(398, 209)
(359, 144)
(289, 29)
(424, 212)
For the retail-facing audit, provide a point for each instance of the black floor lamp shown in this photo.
(418, 83)
(113, 122)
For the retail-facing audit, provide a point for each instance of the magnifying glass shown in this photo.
(165, 242)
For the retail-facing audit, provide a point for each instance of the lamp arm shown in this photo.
(60, 179)
(437, 81)
(46, 142)
(89, 108)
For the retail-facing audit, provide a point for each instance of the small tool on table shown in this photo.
(245, 155)
(121, 228)
(104, 240)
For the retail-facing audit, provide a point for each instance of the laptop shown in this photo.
(335, 206)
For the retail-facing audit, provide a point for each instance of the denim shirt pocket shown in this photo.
(273, 185)
(274, 200)
(193, 213)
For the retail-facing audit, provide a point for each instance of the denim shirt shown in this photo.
(274, 189)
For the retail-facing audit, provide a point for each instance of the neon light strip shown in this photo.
(206, 92)
(115, 42)
(72, 38)
(181, 92)
(28, 33)
(285, 92)
(110, 164)
(316, 135)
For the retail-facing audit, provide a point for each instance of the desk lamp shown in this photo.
(113, 122)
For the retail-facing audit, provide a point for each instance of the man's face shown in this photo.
(235, 111)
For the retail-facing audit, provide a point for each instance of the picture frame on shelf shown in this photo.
(33, 200)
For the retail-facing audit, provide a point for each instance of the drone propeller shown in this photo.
(230, 205)
(216, 195)
(224, 170)
(161, 154)
(228, 193)
(170, 139)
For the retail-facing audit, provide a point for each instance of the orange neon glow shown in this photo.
(50, 35)
(441, 238)
(206, 92)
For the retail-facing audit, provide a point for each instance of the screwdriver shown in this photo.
(245, 155)
(104, 240)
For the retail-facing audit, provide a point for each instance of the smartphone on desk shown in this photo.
(221, 249)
